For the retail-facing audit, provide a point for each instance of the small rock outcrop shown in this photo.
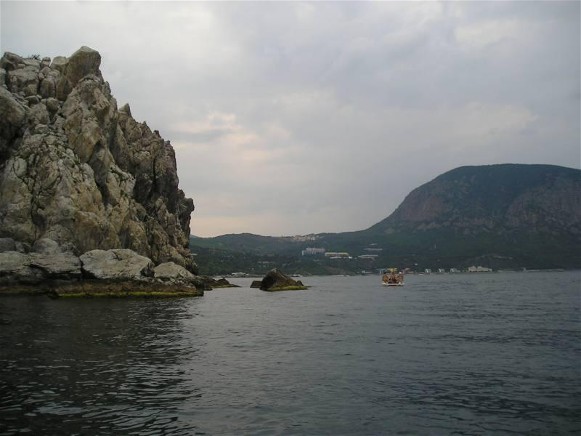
(78, 170)
(274, 280)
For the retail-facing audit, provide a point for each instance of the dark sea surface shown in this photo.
(445, 354)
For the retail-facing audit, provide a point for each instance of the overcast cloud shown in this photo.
(295, 118)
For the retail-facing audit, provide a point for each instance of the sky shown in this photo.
(291, 118)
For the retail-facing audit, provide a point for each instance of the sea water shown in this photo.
(445, 354)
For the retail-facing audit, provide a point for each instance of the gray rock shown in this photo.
(59, 64)
(24, 80)
(11, 61)
(15, 268)
(7, 244)
(117, 264)
(62, 266)
(172, 271)
(52, 105)
(38, 114)
(36, 268)
(83, 62)
(48, 87)
(46, 246)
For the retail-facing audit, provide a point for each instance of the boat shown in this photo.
(392, 284)
(392, 278)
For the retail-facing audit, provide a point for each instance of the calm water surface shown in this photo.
(446, 354)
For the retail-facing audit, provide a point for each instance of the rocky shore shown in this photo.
(47, 269)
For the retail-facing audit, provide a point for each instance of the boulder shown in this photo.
(37, 268)
(275, 280)
(116, 264)
(61, 266)
(122, 288)
(15, 268)
(85, 61)
(172, 272)
(48, 257)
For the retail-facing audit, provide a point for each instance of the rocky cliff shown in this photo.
(78, 170)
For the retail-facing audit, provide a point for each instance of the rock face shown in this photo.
(274, 280)
(76, 169)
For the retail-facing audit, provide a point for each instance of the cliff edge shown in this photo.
(78, 170)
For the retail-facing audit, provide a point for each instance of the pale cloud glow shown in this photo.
(306, 117)
(482, 35)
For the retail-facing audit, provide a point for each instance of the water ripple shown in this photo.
(464, 355)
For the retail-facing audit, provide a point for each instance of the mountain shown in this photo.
(498, 216)
(78, 170)
(503, 215)
(495, 198)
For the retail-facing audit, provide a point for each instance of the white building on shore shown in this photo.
(479, 269)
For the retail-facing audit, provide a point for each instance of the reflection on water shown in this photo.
(109, 365)
(447, 354)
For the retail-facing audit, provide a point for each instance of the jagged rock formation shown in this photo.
(76, 169)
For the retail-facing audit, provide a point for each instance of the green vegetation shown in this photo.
(443, 248)
(214, 259)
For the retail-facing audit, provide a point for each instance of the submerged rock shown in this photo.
(122, 288)
(219, 283)
(275, 280)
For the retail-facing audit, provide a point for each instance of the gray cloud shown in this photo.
(310, 117)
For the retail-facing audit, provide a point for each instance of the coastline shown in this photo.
(102, 288)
